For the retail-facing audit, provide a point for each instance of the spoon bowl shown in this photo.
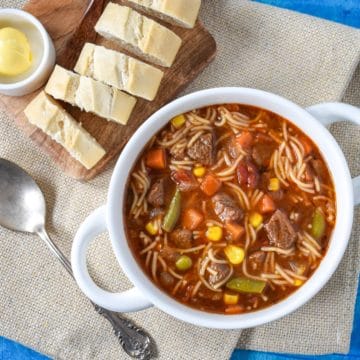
(23, 205)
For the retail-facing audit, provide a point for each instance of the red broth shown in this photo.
(229, 208)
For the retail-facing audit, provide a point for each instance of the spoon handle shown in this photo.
(55, 250)
(134, 340)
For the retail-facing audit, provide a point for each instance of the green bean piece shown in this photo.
(318, 224)
(173, 213)
(183, 263)
(246, 285)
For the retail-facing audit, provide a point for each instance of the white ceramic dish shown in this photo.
(109, 218)
(40, 41)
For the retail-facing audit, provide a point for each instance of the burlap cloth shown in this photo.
(305, 59)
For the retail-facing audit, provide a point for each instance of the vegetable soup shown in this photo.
(229, 208)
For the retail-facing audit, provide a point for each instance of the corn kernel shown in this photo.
(256, 220)
(178, 121)
(235, 254)
(199, 171)
(231, 299)
(274, 184)
(152, 228)
(214, 233)
(298, 282)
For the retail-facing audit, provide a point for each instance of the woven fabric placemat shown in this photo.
(302, 58)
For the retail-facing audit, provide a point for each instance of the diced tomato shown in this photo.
(185, 180)
(248, 174)
(192, 218)
(156, 159)
(266, 204)
(236, 231)
(210, 184)
(245, 139)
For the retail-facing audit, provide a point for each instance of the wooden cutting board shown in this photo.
(70, 23)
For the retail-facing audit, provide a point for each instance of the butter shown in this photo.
(15, 52)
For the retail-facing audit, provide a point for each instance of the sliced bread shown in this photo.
(139, 34)
(46, 114)
(119, 70)
(90, 95)
(178, 12)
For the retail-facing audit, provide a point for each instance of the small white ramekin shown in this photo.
(38, 77)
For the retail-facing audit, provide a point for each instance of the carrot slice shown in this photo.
(245, 139)
(236, 231)
(266, 204)
(234, 309)
(156, 159)
(210, 184)
(192, 218)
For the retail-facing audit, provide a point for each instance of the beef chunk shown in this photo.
(262, 153)
(280, 231)
(185, 180)
(256, 259)
(203, 149)
(222, 271)
(181, 238)
(206, 294)
(177, 153)
(166, 279)
(226, 208)
(156, 196)
(169, 254)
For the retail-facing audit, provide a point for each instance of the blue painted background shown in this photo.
(343, 11)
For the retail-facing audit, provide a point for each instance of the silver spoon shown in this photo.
(23, 208)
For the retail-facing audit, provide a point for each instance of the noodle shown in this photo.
(174, 274)
(244, 269)
(150, 247)
(281, 272)
(277, 250)
(244, 201)
(154, 265)
(214, 259)
(193, 249)
(162, 262)
(230, 170)
(196, 288)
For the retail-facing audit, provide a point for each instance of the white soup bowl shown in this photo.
(311, 121)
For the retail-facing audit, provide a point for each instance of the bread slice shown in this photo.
(178, 12)
(119, 70)
(46, 114)
(90, 95)
(139, 34)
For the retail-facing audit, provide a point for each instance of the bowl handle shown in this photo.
(126, 301)
(329, 113)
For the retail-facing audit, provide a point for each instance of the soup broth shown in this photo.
(229, 208)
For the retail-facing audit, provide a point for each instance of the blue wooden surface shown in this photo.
(343, 11)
